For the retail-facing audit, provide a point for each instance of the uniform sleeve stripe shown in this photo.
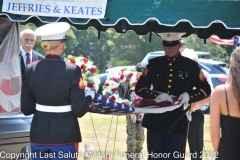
(203, 92)
(142, 89)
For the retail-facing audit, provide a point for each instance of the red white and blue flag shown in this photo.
(105, 105)
(234, 42)
(217, 40)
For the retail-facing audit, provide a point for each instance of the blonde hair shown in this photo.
(234, 75)
(50, 45)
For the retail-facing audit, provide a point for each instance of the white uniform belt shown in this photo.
(53, 109)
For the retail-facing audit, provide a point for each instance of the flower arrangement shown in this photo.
(110, 87)
(89, 71)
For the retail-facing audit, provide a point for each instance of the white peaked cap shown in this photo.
(53, 31)
(171, 36)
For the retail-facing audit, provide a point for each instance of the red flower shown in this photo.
(114, 89)
(90, 85)
(135, 84)
(85, 60)
(93, 70)
(122, 70)
(123, 102)
(107, 96)
(130, 75)
(106, 84)
(121, 76)
(127, 81)
(72, 60)
(114, 79)
(83, 67)
(113, 98)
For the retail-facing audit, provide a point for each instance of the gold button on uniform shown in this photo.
(169, 86)
(170, 75)
(171, 70)
(169, 80)
(170, 64)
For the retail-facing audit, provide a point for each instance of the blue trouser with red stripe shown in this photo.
(54, 152)
(160, 146)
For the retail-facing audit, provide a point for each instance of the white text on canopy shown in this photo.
(94, 9)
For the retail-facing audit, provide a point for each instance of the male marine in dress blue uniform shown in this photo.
(176, 75)
(53, 91)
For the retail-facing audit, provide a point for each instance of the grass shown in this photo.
(107, 134)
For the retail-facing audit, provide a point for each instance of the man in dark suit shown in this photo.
(27, 54)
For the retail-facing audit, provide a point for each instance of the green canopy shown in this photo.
(201, 17)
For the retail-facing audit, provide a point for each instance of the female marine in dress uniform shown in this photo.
(53, 91)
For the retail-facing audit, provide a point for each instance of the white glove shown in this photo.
(90, 93)
(184, 97)
(133, 118)
(163, 97)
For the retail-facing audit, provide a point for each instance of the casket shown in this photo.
(14, 135)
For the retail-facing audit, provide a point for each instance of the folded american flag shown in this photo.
(104, 105)
(151, 102)
(151, 106)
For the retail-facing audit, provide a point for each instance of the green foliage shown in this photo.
(87, 44)
(123, 62)
(131, 47)
(217, 52)
(115, 49)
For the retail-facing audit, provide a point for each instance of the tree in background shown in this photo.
(217, 52)
(82, 43)
(87, 44)
(130, 49)
(115, 49)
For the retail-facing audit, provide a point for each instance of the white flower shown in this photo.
(79, 61)
(89, 64)
(133, 79)
(127, 72)
(115, 79)
(90, 81)
(113, 84)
